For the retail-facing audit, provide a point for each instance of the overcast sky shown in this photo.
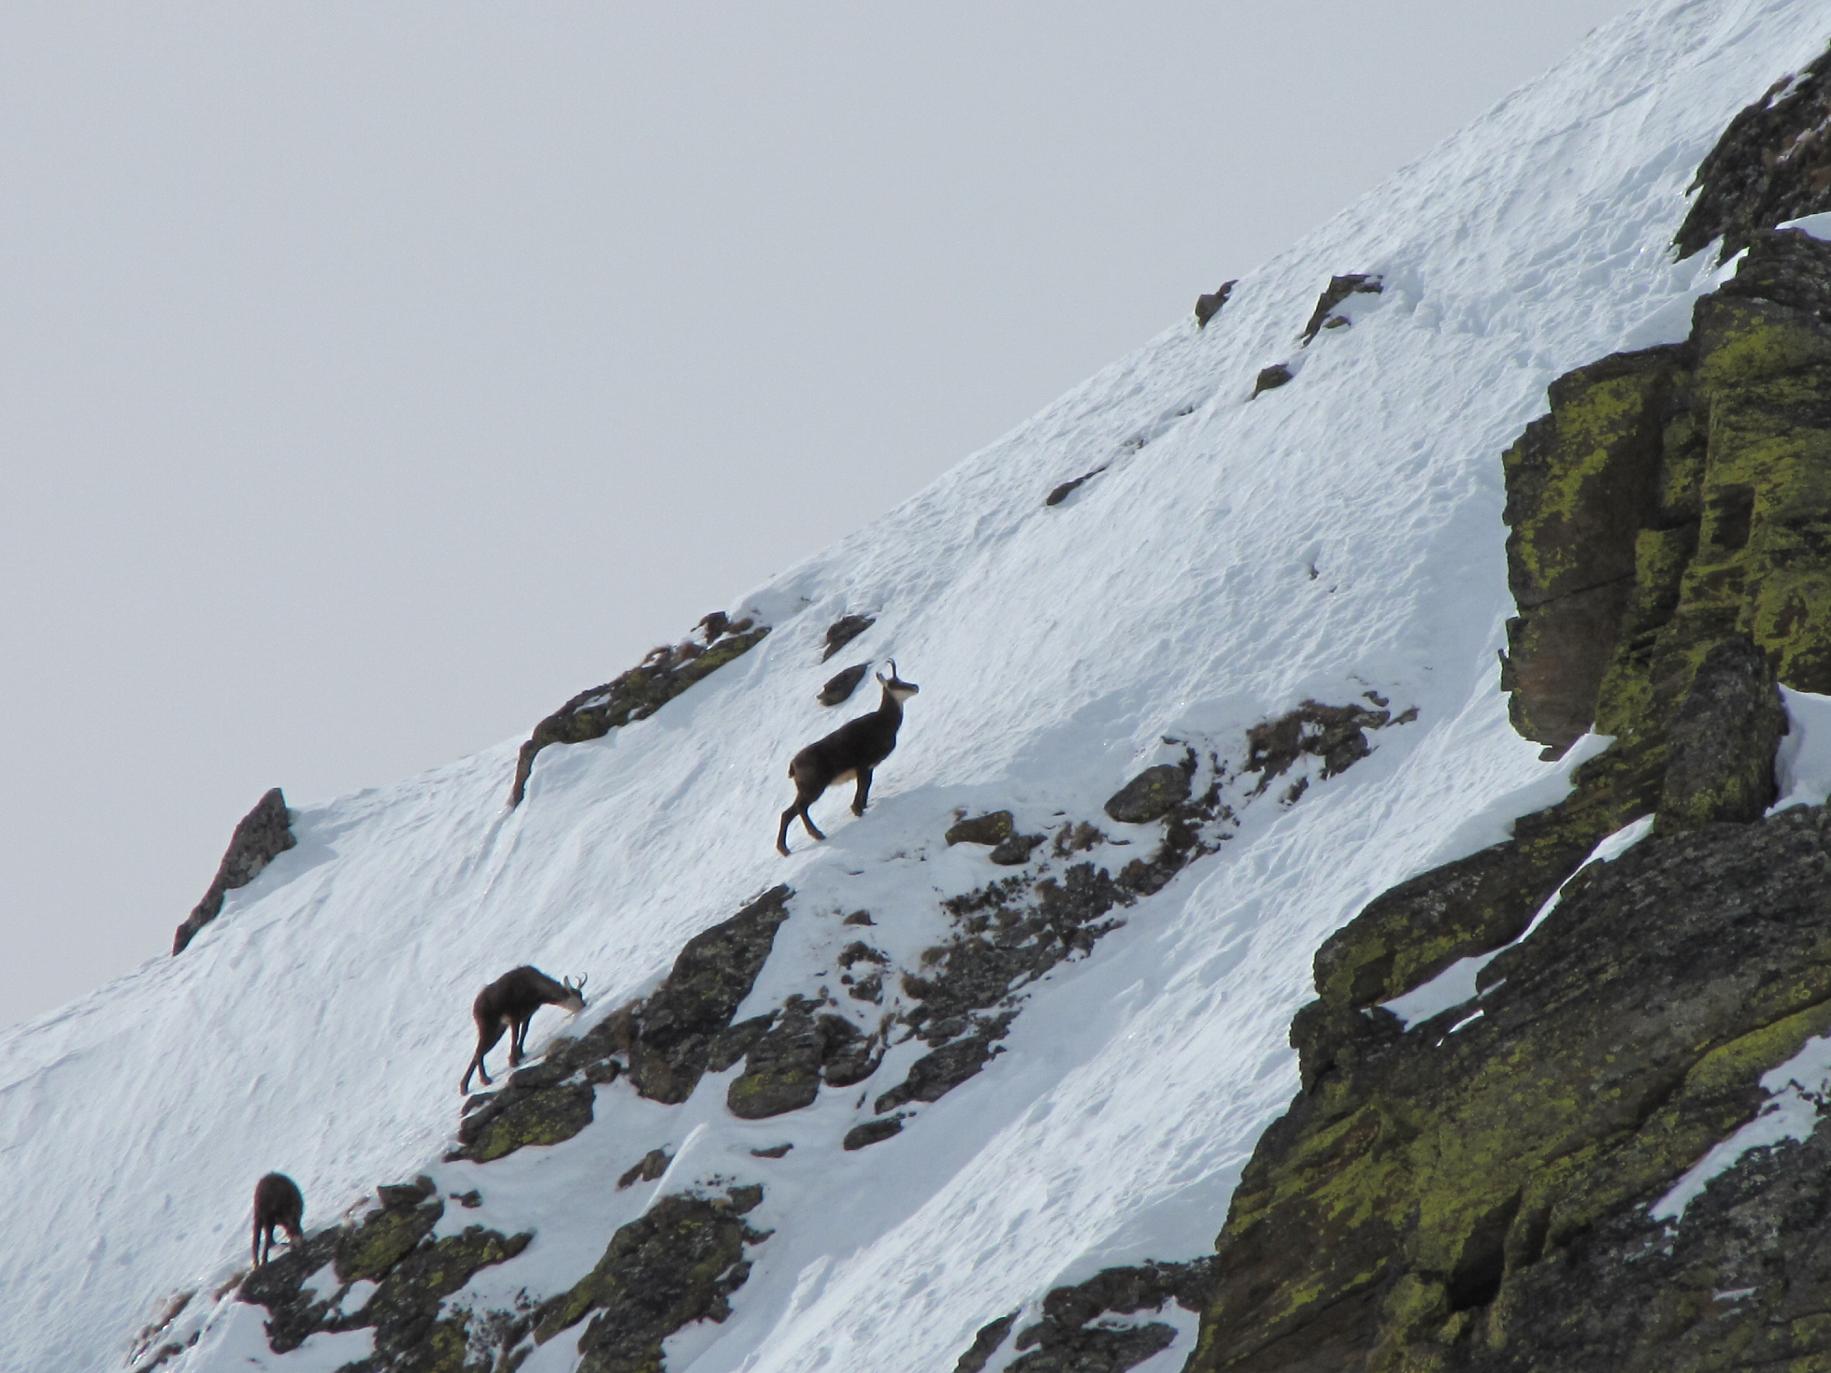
(372, 379)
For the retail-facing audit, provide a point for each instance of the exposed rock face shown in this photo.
(393, 1248)
(1071, 1336)
(1581, 484)
(676, 1264)
(677, 1025)
(1338, 290)
(1209, 303)
(783, 1070)
(638, 693)
(1673, 498)
(1473, 1195)
(1398, 1217)
(1773, 163)
(1720, 747)
(262, 835)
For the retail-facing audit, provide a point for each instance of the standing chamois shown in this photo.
(509, 1003)
(277, 1203)
(852, 750)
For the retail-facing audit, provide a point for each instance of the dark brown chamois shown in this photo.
(509, 1003)
(277, 1203)
(852, 750)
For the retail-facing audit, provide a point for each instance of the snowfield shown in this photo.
(1337, 536)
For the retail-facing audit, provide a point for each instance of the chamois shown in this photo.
(852, 750)
(277, 1203)
(509, 1003)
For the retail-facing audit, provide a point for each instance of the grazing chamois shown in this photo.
(509, 1003)
(277, 1203)
(852, 750)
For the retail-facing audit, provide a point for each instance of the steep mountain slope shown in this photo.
(1335, 540)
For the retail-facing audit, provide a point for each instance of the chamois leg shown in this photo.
(803, 799)
(254, 1250)
(864, 791)
(518, 1042)
(487, 1037)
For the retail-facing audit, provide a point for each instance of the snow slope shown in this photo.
(1338, 535)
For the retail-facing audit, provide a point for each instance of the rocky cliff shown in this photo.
(1479, 1186)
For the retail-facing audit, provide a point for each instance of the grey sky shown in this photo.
(374, 378)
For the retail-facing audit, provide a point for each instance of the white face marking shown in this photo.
(901, 693)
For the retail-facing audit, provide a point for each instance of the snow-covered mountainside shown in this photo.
(1292, 597)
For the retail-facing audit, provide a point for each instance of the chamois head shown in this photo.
(508, 1004)
(574, 1000)
(895, 686)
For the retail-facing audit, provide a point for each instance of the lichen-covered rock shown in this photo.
(782, 1070)
(677, 1024)
(382, 1238)
(1384, 1223)
(991, 828)
(539, 1115)
(1673, 500)
(1338, 290)
(1071, 1335)
(638, 693)
(679, 1262)
(1581, 484)
(413, 1274)
(1720, 748)
(405, 1308)
(1151, 795)
(261, 835)
(1209, 303)
(1773, 163)
(840, 686)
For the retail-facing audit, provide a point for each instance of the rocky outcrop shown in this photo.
(1011, 931)
(638, 693)
(1419, 1204)
(1672, 499)
(262, 835)
(843, 630)
(677, 1027)
(412, 1273)
(1271, 378)
(1476, 1192)
(1058, 494)
(840, 686)
(1077, 1333)
(1324, 316)
(678, 1263)
(1773, 163)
